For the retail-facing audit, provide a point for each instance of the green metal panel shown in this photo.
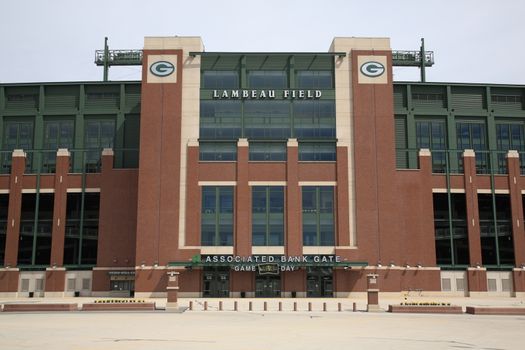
(507, 99)
(102, 97)
(401, 141)
(220, 62)
(429, 97)
(400, 97)
(61, 97)
(22, 98)
(132, 97)
(464, 97)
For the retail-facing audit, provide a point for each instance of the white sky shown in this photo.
(55, 40)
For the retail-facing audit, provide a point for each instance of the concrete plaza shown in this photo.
(263, 330)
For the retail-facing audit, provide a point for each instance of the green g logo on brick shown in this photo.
(162, 68)
(372, 69)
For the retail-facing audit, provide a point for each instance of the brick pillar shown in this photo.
(518, 233)
(471, 198)
(243, 236)
(56, 275)
(18, 165)
(294, 237)
(9, 274)
(193, 196)
(342, 195)
(477, 280)
(172, 291)
(516, 205)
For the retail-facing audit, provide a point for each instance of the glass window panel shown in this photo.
(267, 79)
(220, 79)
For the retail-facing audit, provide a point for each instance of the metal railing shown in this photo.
(451, 161)
(80, 160)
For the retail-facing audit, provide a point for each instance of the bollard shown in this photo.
(220, 305)
(324, 307)
(309, 306)
(265, 306)
(280, 306)
(235, 306)
(339, 307)
(191, 306)
(354, 307)
(250, 306)
(295, 306)
(205, 306)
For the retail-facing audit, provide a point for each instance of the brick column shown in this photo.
(476, 275)
(243, 232)
(172, 290)
(471, 198)
(9, 274)
(193, 196)
(516, 206)
(518, 233)
(294, 237)
(342, 195)
(56, 275)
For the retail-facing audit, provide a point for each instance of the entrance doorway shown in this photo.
(319, 282)
(267, 286)
(216, 283)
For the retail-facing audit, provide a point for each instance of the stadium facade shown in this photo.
(261, 175)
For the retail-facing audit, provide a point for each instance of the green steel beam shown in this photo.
(338, 54)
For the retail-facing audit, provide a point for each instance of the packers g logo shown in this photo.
(372, 69)
(162, 68)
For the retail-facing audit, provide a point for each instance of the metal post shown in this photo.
(354, 307)
(250, 306)
(309, 306)
(191, 306)
(295, 306)
(220, 305)
(339, 307)
(280, 306)
(205, 306)
(265, 306)
(324, 306)
(235, 308)
(106, 58)
(422, 67)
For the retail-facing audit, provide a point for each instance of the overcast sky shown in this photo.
(55, 40)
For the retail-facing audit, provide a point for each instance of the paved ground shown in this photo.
(259, 330)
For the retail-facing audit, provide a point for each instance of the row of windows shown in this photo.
(267, 151)
(268, 216)
(432, 134)
(450, 222)
(267, 119)
(268, 79)
(503, 99)
(36, 224)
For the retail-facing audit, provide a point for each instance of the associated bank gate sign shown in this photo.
(271, 263)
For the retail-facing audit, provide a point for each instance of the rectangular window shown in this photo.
(71, 284)
(268, 216)
(86, 284)
(82, 217)
(57, 134)
(218, 151)
(217, 216)
(497, 247)
(39, 285)
(309, 79)
(24, 285)
(98, 134)
(317, 151)
(267, 119)
(318, 215)
(36, 221)
(220, 120)
(473, 135)
(220, 79)
(314, 119)
(510, 136)
(17, 135)
(260, 79)
(4, 205)
(451, 229)
(268, 151)
(432, 134)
